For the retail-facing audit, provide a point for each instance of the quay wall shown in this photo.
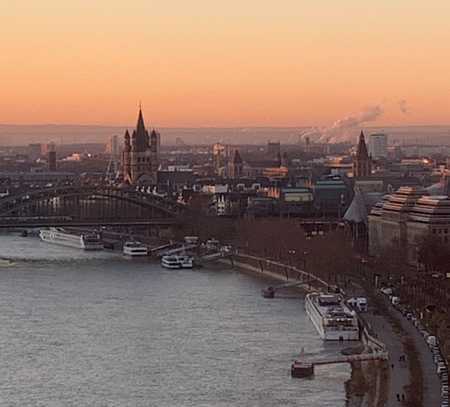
(287, 273)
(276, 270)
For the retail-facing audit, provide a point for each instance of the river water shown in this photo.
(96, 329)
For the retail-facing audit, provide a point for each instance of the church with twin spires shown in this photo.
(140, 156)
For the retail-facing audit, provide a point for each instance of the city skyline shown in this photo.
(227, 65)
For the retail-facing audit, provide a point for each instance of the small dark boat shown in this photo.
(301, 369)
(268, 292)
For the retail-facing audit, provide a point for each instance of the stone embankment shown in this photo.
(369, 380)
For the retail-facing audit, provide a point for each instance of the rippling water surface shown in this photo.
(95, 329)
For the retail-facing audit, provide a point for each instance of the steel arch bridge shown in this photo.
(85, 206)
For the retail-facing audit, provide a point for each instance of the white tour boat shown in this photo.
(177, 262)
(135, 249)
(331, 317)
(85, 241)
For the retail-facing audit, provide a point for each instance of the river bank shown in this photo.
(368, 380)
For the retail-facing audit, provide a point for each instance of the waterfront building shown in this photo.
(140, 156)
(405, 218)
(293, 201)
(378, 145)
(362, 163)
(332, 195)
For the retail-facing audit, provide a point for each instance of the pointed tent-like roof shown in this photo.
(357, 211)
(361, 151)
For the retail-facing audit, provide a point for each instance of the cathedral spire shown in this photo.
(362, 165)
(140, 123)
(361, 151)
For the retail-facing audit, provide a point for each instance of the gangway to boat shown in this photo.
(383, 355)
(305, 367)
(288, 285)
(178, 249)
(211, 257)
(163, 247)
(270, 291)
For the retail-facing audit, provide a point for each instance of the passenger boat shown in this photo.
(135, 249)
(177, 262)
(85, 241)
(333, 320)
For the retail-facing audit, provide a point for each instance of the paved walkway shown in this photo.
(431, 382)
(399, 373)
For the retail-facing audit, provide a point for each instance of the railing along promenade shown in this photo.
(288, 272)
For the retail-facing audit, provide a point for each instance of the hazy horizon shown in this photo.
(73, 134)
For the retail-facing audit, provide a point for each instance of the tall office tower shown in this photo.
(274, 150)
(362, 164)
(378, 145)
(113, 146)
(140, 157)
(51, 153)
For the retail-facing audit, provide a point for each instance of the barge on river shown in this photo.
(331, 317)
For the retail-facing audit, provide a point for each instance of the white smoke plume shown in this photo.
(344, 129)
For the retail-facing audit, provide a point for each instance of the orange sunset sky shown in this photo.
(224, 63)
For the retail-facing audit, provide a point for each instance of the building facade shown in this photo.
(140, 156)
(406, 217)
(378, 145)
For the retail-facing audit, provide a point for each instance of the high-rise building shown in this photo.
(362, 164)
(113, 146)
(140, 157)
(274, 149)
(378, 145)
(51, 153)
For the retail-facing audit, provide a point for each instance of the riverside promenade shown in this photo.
(399, 375)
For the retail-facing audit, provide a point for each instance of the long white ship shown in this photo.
(85, 241)
(331, 317)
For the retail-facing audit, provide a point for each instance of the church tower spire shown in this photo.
(140, 159)
(362, 163)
